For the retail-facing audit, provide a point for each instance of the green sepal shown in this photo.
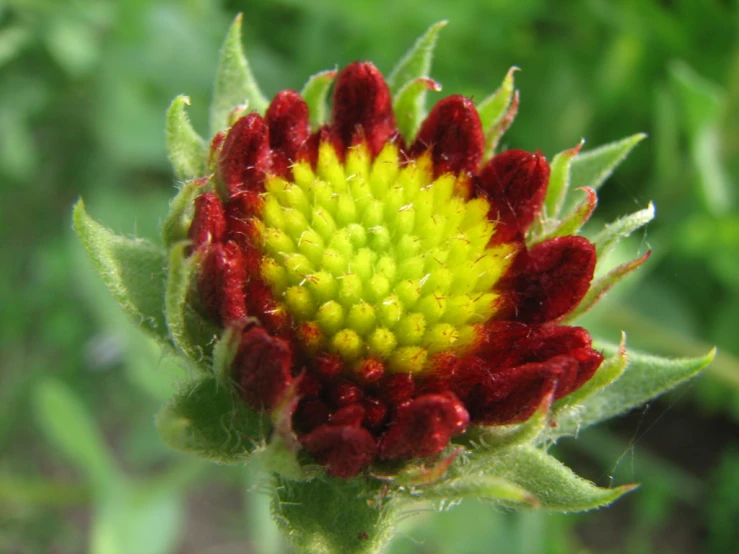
(603, 284)
(498, 129)
(334, 516)
(493, 108)
(207, 419)
(573, 222)
(555, 486)
(189, 332)
(488, 488)
(187, 151)
(614, 232)
(281, 453)
(645, 378)
(132, 269)
(224, 353)
(409, 105)
(559, 180)
(181, 210)
(417, 61)
(592, 168)
(611, 369)
(235, 84)
(315, 93)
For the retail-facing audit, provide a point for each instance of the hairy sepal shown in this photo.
(315, 93)
(417, 61)
(187, 151)
(190, 333)
(645, 378)
(235, 84)
(207, 419)
(132, 269)
(593, 167)
(493, 108)
(177, 223)
(409, 105)
(615, 232)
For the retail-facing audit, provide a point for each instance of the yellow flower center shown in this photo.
(377, 259)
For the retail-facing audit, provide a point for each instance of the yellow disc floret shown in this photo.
(379, 259)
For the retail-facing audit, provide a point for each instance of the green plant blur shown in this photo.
(84, 85)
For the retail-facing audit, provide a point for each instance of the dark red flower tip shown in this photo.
(289, 126)
(262, 368)
(516, 183)
(311, 413)
(453, 133)
(511, 395)
(345, 392)
(245, 155)
(423, 427)
(363, 107)
(345, 450)
(208, 222)
(221, 283)
(352, 414)
(370, 370)
(588, 362)
(556, 275)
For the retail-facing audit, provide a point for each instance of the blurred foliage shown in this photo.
(84, 85)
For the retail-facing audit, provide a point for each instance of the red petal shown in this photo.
(289, 127)
(353, 414)
(423, 427)
(516, 182)
(362, 99)
(262, 368)
(453, 133)
(345, 449)
(245, 155)
(209, 222)
(221, 283)
(556, 275)
(512, 395)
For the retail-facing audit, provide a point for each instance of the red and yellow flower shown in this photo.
(388, 280)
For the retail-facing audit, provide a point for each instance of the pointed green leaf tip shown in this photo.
(553, 484)
(235, 84)
(207, 419)
(315, 93)
(592, 168)
(493, 108)
(132, 269)
(417, 61)
(187, 151)
(645, 378)
(559, 180)
(613, 233)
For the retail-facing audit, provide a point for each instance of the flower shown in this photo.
(386, 279)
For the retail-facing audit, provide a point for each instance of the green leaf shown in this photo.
(187, 151)
(559, 180)
(334, 516)
(132, 269)
(602, 285)
(417, 61)
(181, 209)
(645, 378)
(555, 486)
(190, 333)
(493, 108)
(235, 84)
(614, 232)
(207, 419)
(70, 427)
(315, 93)
(409, 105)
(592, 168)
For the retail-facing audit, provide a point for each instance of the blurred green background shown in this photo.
(84, 85)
